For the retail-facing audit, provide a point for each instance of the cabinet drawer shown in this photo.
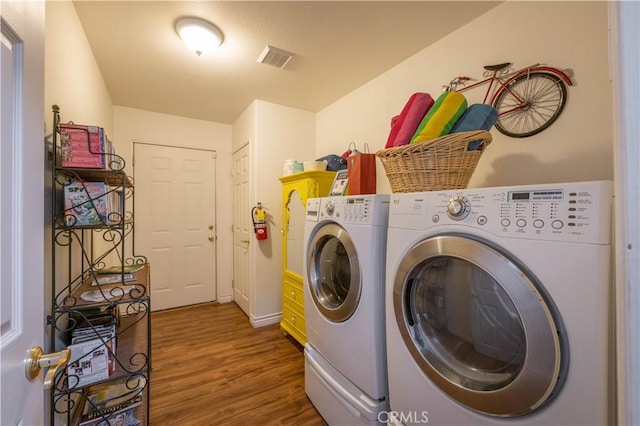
(293, 306)
(293, 292)
(294, 319)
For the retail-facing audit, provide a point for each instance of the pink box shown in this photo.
(82, 146)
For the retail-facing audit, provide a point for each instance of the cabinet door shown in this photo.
(294, 232)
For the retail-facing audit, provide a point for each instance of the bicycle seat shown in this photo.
(497, 67)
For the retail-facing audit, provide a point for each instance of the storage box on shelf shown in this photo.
(104, 319)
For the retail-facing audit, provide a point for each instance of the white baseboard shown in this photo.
(265, 320)
(225, 299)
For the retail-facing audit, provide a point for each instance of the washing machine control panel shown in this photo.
(364, 210)
(579, 211)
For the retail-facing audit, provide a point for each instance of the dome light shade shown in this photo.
(199, 35)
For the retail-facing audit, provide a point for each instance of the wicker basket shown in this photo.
(438, 164)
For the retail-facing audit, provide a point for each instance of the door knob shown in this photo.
(36, 360)
(211, 238)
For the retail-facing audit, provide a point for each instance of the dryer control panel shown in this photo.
(372, 210)
(579, 211)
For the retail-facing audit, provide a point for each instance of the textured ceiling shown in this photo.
(338, 47)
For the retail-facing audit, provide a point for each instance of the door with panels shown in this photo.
(175, 211)
(241, 229)
(22, 230)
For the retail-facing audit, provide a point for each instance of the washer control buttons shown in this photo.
(538, 223)
(435, 218)
(557, 224)
(505, 222)
(458, 208)
(521, 223)
(482, 220)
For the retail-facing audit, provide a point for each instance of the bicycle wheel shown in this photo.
(542, 97)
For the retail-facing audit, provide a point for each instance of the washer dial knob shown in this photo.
(330, 208)
(458, 208)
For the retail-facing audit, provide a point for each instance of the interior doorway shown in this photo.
(241, 228)
(175, 222)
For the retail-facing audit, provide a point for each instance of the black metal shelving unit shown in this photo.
(79, 253)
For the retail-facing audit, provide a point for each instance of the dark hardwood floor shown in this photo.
(211, 367)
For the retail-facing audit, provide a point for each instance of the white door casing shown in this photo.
(241, 228)
(175, 222)
(22, 206)
(625, 45)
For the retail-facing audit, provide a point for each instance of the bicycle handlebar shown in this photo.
(453, 84)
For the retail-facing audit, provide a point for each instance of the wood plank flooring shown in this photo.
(211, 367)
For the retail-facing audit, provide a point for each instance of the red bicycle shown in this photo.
(527, 100)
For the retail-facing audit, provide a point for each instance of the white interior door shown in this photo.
(241, 228)
(175, 222)
(22, 207)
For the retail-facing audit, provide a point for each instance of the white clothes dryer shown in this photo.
(499, 307)
(345, 356)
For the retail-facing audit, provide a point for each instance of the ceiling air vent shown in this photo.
(274, 56)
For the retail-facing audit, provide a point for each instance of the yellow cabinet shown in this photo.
(296, 189)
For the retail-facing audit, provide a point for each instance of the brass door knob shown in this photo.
(36, 360)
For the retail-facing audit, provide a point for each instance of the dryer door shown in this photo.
(333, 272)
(479, 326)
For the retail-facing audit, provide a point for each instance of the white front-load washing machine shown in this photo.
(345, 356)
(499, 307)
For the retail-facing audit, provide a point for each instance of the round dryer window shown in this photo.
(333, 272)
(478, 326)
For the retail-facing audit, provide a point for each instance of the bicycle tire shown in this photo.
(544, 95)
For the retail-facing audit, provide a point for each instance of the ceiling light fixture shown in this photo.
(199, 35)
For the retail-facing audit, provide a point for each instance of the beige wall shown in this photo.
(283, 133)
(72, 78)
(163, 129)
(74, 83)
(276, 133)
(579, 146)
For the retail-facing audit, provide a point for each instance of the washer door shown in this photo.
(333, 272)
(478, 326)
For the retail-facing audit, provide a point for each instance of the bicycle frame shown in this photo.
(498, 83)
